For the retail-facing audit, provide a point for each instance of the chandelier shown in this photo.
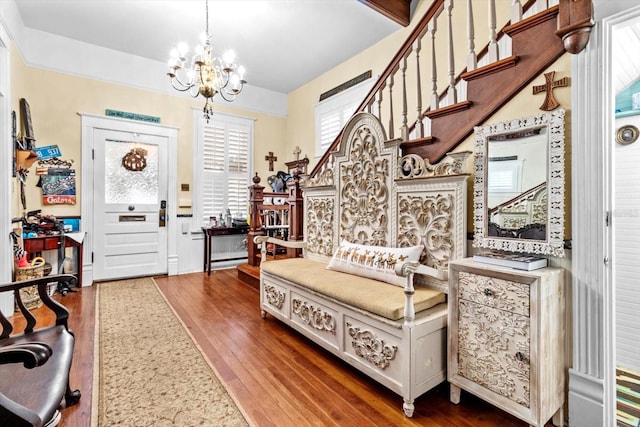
(206, 75)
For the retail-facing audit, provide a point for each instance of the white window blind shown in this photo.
(504, 176)
(333, 113)
(225, 147)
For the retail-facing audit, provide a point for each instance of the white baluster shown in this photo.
(419, 128)
(516, 11)
(391, 125)
(541, 5)
(435, 101)
(378, 103)
(493, 45)
(451, 91)
(472, 59)
(404, 129)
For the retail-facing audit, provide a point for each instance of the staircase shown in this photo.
(425, 70)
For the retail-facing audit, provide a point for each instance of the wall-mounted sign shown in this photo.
(48, 152)
(59, 187)
(132, 116)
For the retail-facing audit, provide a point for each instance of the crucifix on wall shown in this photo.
(271, 158)
(550, 102)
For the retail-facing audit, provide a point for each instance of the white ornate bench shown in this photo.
(394, 333)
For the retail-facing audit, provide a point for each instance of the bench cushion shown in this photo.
(371, 295)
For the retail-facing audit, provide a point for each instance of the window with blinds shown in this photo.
(503, 176)
(334, 112)
(225, 145)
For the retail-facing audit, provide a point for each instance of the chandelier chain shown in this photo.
(206, 75)
(207, 16)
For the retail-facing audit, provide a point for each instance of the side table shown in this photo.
(35, 245)
(209, 233)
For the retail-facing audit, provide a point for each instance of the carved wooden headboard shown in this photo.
(368, 193)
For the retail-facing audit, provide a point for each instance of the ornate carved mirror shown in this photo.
(519, 185)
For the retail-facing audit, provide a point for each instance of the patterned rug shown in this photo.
(627, 398)
(148, 371)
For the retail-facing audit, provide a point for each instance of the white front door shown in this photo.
(130, 204)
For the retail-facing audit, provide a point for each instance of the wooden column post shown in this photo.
(296, 212)
(575, 20)
(256, 199)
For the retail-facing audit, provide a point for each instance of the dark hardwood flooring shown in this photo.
(278, 377)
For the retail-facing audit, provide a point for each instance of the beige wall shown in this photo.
(55, 100)
(302, 101)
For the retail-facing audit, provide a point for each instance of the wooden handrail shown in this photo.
(388, 71)
(386, 79)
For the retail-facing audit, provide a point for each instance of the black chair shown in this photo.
(35, 364)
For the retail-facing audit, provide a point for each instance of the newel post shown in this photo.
(575, 20)
(296, 212)
(256, 198)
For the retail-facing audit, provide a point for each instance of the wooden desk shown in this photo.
(209, 232)
(35, 245)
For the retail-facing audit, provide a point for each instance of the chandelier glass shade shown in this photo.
(206, 74)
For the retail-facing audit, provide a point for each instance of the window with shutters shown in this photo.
(504, 176)
(223, 159)
(334, 112)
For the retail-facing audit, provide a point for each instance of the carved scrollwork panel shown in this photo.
(364, 191)
(371, 348)
(427, 220)
(493, 350)
(313, 316)
(320, 213)
(414, 166)
(498, 293)
(274, 296)
(323, 178)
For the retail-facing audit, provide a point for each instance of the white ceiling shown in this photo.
(626, 56)
(282, 43)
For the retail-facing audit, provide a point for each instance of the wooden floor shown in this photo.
(279, 377)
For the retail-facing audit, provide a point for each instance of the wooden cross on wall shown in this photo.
(550, 102)
(271, 158)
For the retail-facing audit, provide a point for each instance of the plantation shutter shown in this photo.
(334, 112)
(225, 177)
(331, 122)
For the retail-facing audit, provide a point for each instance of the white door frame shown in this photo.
(92, 121)
(592, 374)
(7, 182)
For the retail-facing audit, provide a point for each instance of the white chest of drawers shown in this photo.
(507, 338)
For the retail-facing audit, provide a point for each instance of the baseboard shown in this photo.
(586, 400)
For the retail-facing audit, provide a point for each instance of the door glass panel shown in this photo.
(137, 186)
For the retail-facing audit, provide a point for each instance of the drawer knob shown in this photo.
(488, 292)
(521, 357)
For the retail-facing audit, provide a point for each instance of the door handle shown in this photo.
(162, 214)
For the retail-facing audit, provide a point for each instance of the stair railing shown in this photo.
(439, 32)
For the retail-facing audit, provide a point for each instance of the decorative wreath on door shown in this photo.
(135, 160)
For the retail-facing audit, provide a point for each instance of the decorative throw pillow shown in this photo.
(375, 262)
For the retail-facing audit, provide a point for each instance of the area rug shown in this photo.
(627, 397)
(148, 370)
